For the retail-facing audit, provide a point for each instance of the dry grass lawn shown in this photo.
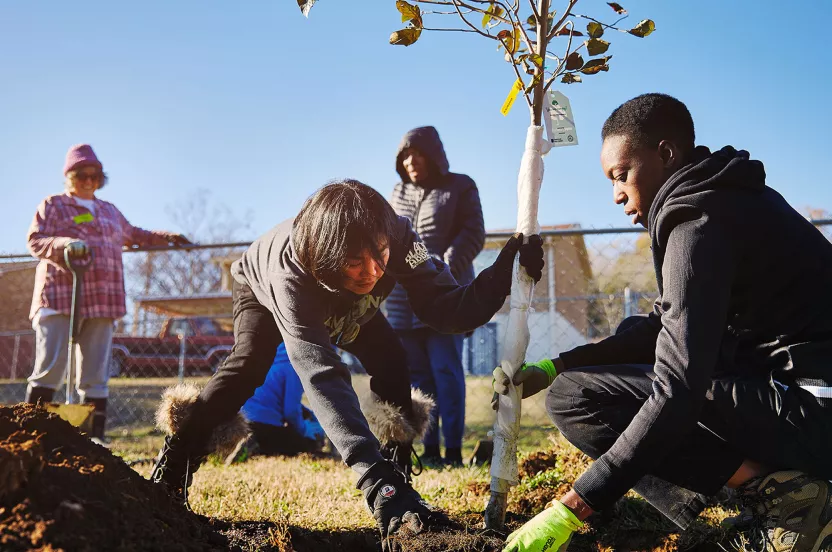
(318, 496)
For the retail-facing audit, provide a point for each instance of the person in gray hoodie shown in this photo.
(319, 280)
(444, 209)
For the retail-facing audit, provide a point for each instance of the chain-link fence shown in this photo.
(178, 325)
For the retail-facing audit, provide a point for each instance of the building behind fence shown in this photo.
(179, 313)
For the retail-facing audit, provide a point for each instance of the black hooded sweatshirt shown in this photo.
(745, 287)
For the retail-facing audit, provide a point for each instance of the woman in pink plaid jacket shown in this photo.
(78, 222)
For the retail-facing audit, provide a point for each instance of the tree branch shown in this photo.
(562, 62)
(557, 25)
(517, 72)
(542, 43)
(448, 30)
(604, 25)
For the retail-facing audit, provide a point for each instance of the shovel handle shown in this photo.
(77, 270)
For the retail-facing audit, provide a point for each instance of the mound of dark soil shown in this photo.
(59, 491)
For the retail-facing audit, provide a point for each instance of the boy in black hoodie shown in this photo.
(728, 382)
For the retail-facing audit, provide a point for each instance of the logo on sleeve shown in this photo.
(417, 255)
(387, 491)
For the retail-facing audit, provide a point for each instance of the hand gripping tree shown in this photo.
(528, 42)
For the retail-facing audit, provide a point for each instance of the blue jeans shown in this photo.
(435, 361)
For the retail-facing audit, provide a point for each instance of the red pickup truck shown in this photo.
(206, 345)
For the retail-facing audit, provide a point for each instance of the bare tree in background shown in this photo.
(186, 272)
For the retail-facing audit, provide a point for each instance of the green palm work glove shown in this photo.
(535, 377)
(549, 531)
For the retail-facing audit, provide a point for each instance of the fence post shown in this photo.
(628, 303)
(550, 265)
(181, 357)
(14, 355)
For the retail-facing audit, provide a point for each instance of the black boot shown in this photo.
(400, 454)
(99, 419)
(34, 395)
(175, 468)
(453, 457)
(432, 456)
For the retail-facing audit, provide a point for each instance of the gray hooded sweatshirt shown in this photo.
(311, 317)
(445, 211)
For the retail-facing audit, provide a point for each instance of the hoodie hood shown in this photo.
(426, 140)
(708, 171)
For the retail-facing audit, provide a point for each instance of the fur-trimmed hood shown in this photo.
(178, 400)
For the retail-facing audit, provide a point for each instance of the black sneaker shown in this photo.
(787, 511)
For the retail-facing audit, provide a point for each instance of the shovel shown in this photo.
(79, 415)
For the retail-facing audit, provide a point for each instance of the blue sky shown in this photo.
(261, 106)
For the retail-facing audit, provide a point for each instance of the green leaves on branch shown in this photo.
(594, 66)
(410, 14)
(493, 12)
(596, 46)
(595, 30)
(643, 29)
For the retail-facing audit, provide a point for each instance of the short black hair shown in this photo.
(650, 118)
(337, 222)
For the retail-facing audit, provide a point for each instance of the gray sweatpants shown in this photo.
(93, 346)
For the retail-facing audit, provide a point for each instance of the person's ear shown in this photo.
(670, 154)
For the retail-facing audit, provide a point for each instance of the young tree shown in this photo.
(540, 47)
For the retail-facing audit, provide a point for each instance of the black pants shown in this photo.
(256, 338)
(740, 420)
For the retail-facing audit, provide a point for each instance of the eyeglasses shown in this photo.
(81, 177)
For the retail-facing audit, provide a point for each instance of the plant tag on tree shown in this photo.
(560, 123)
(512, 95)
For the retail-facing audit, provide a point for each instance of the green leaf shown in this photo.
(596, 65)
(537, 60)
(574, 61)
(596, 46)
(595, 30)
(569, 78)
(305, 6)
(409, 12)
(617, 7)
(493, 11)
(643, 29)
(405, 37)
(564, 31)
(511, 40)
(531, 21)
(534, 83)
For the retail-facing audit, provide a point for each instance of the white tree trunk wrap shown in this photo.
(516, 340)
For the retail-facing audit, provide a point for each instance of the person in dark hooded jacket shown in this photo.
(444, 209)
(728, 381)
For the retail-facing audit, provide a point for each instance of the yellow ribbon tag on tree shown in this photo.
(84, 217)
(512, 95)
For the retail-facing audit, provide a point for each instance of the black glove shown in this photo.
(531, 258)
(395, 504)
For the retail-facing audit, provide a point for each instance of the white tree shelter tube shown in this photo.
(507, 425)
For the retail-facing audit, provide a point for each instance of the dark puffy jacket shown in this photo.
(445, 211)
